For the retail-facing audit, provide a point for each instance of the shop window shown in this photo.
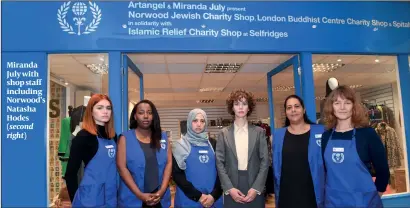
(73, 79)
(374, 78)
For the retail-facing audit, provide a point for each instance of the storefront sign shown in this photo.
(335, 27)
(24, 129)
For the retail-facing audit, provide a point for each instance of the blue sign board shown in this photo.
(24, 129)
(259, 27)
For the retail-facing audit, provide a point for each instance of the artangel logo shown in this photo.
(79, 10)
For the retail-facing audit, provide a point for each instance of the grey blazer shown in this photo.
(227, 161)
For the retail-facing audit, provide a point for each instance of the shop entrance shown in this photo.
(179, 82)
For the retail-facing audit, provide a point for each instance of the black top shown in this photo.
(151, 178)
(189, 190)
(296, 184)
(370, 149)
(83, 148)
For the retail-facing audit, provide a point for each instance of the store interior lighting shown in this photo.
(100, 69)
(205, 101)
(212, 89)
(223, 68)
(283, 88)
(355, 86)
(262, 99)
(326, 67)
(320, 97)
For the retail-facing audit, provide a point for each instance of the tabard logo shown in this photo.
(319, 142)
(111, 152)
(338, 157)
(203, 158)
(83, 25)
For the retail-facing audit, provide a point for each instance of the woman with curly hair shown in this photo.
(242, 156)
(350, 148)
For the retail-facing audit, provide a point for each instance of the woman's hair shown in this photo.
(88, 120)
(359, 115)
(305, 117)
(156, 132)
(237, 95)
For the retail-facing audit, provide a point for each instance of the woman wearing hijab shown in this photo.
(194, 167)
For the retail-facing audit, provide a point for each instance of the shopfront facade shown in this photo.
(34, 30)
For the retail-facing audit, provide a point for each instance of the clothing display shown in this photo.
(64, 144)
(379, 113)
(391, 143)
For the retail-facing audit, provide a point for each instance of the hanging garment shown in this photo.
(64, 144)
(314, 157)
(77, 117)
(201, 172)
(98, 188)
(391, 143)
(349, 183)
(388, 116)
(136, 165)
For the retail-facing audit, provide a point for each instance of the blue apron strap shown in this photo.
(277, 144)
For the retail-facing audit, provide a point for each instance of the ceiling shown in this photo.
(176, 79)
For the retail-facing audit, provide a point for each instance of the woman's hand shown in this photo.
(237, 195)
(147, 198)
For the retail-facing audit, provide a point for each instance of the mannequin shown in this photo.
(331, 84)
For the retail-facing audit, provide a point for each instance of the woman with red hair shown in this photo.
(95, 145)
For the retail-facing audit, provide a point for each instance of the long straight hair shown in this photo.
(156, 131)
(305, 117)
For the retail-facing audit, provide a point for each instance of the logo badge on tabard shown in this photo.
(319, 142)
(73, 18)
(111, 152)
(338, 157)
(203, 158)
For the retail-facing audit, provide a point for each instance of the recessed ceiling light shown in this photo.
(66, 83)
(98, 68)
(211, 89)
(223, 68)
(339, 60)
(283, 88)
(262, 99)
(205, 101)
(355, 86)
(377, 60)
(326, 67)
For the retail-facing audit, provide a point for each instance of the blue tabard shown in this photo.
(136, 165)
(98, 187)
(349, 183)
(314, 156)
(201, 172)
